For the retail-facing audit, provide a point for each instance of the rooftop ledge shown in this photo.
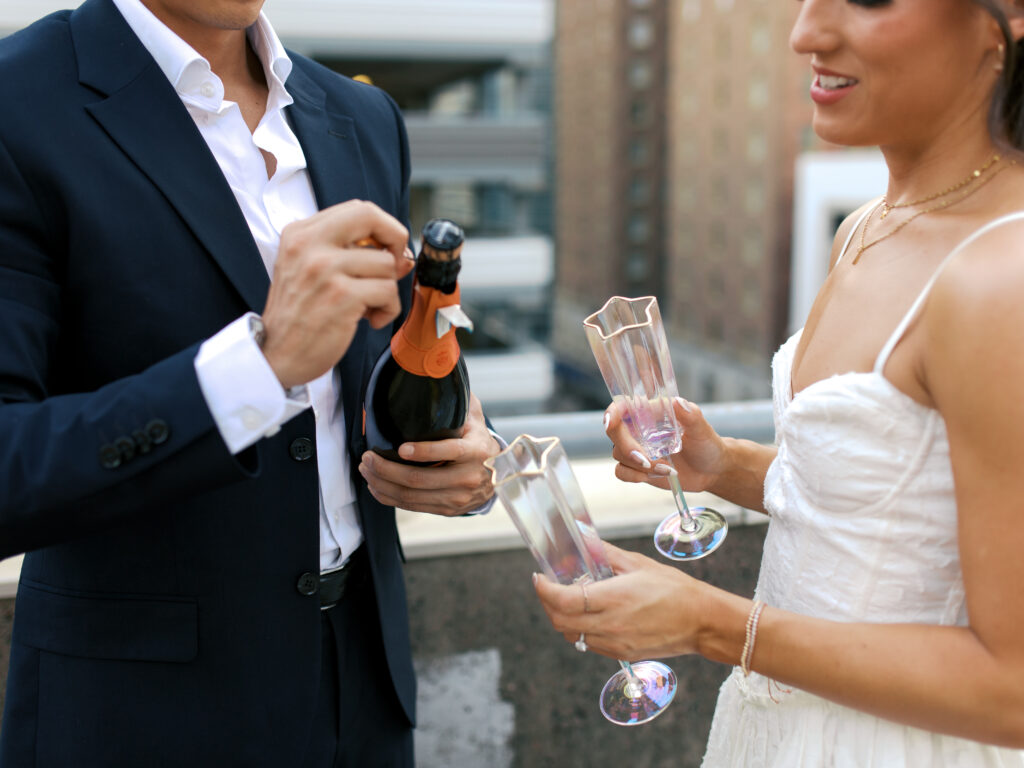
(619, 510)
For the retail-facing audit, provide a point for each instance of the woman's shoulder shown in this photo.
(978, 288)
(989, 258)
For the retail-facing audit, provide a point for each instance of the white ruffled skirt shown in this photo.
(800, 730)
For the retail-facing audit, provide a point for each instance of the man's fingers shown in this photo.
(366, 219)
(366, 263)
(404, 475)
(434, 451)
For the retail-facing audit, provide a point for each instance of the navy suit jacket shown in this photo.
(158, 620)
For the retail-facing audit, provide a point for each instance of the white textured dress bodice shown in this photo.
(863, 528)
(863, 517)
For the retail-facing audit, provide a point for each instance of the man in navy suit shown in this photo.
(213, 574)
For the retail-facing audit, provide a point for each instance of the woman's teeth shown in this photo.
(833, 83)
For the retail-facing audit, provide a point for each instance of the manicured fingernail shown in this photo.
(535, 577)
(662, 469)
(406, 451)
(607, 418)
(641, 458)
(684, 405)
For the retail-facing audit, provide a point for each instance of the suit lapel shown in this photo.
(335, 166)
(144, 116)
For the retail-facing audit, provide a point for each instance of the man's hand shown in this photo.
(324, 284)
(460, 485)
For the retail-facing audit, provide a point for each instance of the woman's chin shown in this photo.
(839, 132)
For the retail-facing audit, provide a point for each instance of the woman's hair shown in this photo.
(1006, 117)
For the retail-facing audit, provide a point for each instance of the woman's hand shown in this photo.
(701, 461)
(647, 610)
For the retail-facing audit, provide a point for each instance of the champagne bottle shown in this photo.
(419, 387)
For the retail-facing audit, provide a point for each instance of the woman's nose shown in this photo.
(817, 26)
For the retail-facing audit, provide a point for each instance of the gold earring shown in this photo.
(1001, 54)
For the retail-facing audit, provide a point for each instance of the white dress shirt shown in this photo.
(244, 396)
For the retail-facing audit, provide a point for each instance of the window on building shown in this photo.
(757, 92)
(722, 95)
(638, 151)
(723, 41)
(640, 112)
(637, 266)
(641, 33)
(640, 74)
(720, 192)
(716, 286)
(639, 228)
(757, 145)
(688, 103)
(717, 238)
(752, 252)
(754, 202)
(715, 329)
(750, 299)
(760, 36)
(639, 190)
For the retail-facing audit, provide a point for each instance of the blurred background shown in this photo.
(590, 148)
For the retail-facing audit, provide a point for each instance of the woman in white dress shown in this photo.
(888, 623)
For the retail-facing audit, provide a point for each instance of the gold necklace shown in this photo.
(938, 206)
(888, 207)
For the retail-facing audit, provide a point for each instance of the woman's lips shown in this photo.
(829, 88)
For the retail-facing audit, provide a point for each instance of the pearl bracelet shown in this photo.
(748, 644)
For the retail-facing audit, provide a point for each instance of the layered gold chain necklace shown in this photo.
(947, 197)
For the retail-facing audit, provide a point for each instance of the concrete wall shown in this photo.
(500, 689)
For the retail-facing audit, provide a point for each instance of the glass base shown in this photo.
(626, 707)
(676, 544)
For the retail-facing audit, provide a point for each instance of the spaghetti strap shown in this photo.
(894, 339)
(849, 238)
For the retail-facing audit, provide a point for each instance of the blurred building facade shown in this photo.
(678, 124)
(474, 83)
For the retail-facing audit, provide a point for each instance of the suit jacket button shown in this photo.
(126, 447)
(110, 457)
(308, 584)
(143, 443)
(301, 449)
(158, 431)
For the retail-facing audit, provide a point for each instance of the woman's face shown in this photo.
(897, 72)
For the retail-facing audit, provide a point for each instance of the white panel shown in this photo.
(525, 376)
(499, 22)
(827, 183)
(509, 263)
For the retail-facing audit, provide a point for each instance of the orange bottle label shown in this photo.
(416, 347)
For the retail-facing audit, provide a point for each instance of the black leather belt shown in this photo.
(335, 584)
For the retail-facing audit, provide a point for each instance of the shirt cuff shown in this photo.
(484, 508)
(245, 398)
